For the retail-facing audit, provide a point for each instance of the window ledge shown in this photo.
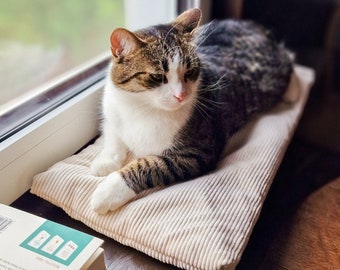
(51, 138)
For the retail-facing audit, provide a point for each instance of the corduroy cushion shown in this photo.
(204, 223)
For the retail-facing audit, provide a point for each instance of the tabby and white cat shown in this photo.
(174, 95)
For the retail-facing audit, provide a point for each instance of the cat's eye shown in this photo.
(159, 78)
(191, 74)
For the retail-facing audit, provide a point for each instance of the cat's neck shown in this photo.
(155, 128)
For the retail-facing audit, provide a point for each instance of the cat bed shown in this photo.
(204, 223)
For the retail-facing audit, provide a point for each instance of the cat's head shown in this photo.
(158, 63)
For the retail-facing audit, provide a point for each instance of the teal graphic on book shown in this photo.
(57, 242)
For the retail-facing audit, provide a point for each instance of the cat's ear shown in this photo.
(188, 20)
(123, 42)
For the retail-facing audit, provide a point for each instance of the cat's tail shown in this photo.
(286, 53)
(292, 93)
(291, 55)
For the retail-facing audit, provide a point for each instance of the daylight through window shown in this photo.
(42, 39)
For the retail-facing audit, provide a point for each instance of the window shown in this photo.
(53, 61)
(53, 58)
(47, 39)
(41, 39)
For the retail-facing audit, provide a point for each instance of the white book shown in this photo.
(31, 242)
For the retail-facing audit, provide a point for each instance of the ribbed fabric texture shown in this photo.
(204, 223)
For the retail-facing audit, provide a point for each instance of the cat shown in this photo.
(174, 95)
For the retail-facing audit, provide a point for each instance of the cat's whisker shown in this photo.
(167, 34)
(172, 49)
(202, 109)
(199, 40)
(215, 86)
(165, 40)
(216, 104)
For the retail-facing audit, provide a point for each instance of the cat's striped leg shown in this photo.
(163, 170)
(120, 187)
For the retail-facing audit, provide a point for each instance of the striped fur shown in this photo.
(176, 93)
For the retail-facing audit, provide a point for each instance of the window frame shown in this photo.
(26, 109)
(53, 137)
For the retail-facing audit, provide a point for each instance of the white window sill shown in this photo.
(51, 138)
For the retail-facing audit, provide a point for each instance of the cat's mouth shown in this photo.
(175, 102)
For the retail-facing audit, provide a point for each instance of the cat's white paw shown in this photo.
(111, 194)
(102, 166)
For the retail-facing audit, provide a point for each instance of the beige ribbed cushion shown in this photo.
(200, 224)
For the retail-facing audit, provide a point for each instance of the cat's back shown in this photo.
(243, 70)
(243, 53)
(242, 48)
(236, 39)
(227, 32)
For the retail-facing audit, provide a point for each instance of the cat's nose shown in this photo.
(180, 96)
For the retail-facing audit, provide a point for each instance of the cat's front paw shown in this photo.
(102, 166)
(111, 194)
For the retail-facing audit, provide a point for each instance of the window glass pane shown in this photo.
(41, 39)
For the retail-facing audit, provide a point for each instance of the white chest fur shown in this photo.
(147, 134)
(143, 129)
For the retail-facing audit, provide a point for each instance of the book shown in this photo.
(31, 242)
